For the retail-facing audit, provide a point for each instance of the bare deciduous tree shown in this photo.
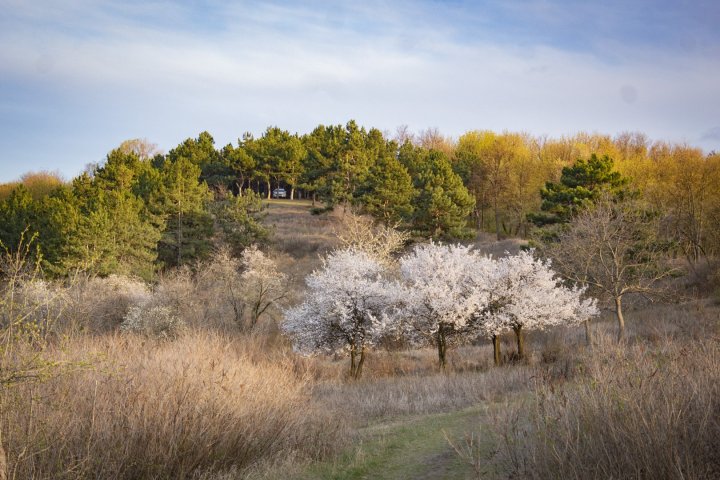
(264, 285)
(377, 240)
(613, 249)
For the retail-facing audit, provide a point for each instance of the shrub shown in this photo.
(640, 413)
(204, 403)
(152, 320)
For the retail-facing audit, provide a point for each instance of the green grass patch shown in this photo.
(414, 448)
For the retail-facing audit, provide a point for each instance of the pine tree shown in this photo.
(183, 201)
(580, 185)
(388, 191)
(443, 203)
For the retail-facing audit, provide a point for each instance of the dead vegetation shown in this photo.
(223, 402)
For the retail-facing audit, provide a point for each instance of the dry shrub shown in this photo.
(100, 304)
(378, 240)
(151, 409)
(645, 411)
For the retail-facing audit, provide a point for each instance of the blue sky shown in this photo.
(77, 77)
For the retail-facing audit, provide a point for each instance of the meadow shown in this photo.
(210, 398)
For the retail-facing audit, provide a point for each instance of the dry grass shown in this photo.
(149, 409)
(640, 411)
(299, 233)
(371, 400)
(219, 404)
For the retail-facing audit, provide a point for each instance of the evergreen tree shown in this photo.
(17, 214)
(237, 168)
(323, 146)
(443, 203)
(114, 237)
(183, 200)
(388, 191)
(239, 218)
(201, 152)
(580, 185)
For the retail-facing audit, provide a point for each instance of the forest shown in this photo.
(497, 305)
(140, 211)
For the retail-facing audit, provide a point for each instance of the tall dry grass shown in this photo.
(143, 408)
(648, 410)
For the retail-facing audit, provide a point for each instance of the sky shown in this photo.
(77, 77)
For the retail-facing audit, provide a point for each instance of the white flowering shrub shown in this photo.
(179, 290)
(454, 291)
(152, 320)
(349, 306)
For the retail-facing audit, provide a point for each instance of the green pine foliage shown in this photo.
(388, 192)
(183, 202)
(580, 185)
(443, 203)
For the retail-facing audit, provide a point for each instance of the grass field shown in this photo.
(218, 403)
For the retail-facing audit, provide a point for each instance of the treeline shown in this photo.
(140, 210)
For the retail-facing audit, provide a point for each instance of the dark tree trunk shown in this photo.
(520, 342)
(442, 346)
(588, 333)
(356, 362)
(496, 349)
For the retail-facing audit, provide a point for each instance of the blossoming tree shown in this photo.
(349, 306)
(527, 296)
(445, 290)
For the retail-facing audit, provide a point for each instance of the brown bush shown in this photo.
(645, 411)
(151, 409)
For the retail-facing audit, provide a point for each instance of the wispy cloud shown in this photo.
(89, 74)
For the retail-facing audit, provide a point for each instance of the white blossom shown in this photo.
(348, 305)
(446, 285)
(527, 295)
(152, 320)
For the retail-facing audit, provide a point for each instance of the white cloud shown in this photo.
(296, 67)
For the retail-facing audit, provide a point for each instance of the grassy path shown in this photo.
(411, 448)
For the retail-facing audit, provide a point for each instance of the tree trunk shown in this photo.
(496, 349)
(358, 370)
(520, 342)
(620, 318)
(314, 198)
(269, 193)
(179, 239)
(442, 346)
(356, 364)
(497, 221)
(352, 361)
(588, 333)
